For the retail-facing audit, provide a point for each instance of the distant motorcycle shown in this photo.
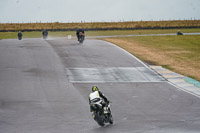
(81, 37)
(101, 112)
(179, 33)
(45, 34)
(20, 36)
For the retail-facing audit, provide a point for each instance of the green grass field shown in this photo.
(139, 32)
(8, 35)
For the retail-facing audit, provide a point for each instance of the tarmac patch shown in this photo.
(113, 74)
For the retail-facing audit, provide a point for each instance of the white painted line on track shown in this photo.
(177, 80)
(187, 91)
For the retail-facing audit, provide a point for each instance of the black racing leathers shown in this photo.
(19, 34)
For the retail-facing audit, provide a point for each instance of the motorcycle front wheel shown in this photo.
(111, 119)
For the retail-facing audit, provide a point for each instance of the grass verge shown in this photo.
(178, 53)
(9, 35)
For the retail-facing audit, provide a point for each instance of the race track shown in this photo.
(44, 87)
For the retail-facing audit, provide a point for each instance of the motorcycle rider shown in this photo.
(179, 32)
(19, 35)
(95, 96)
(78, 32)
(45, 33)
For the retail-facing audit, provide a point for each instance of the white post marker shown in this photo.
(69, 37)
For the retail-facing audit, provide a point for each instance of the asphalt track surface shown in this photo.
(44, 87)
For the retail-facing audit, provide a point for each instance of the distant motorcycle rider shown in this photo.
(96, 96)
(44, 34)
(19, 35)
(179, 32)
(78, 33)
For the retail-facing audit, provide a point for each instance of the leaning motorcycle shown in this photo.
(101, 112)
(81, 37)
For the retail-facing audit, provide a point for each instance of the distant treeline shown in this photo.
(175, 24)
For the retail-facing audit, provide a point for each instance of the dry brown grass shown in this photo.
(99, 25)
(149, 55)
(161, 57)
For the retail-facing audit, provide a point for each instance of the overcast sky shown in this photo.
(97, 10)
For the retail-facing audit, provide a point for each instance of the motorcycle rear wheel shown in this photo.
(99, 120)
